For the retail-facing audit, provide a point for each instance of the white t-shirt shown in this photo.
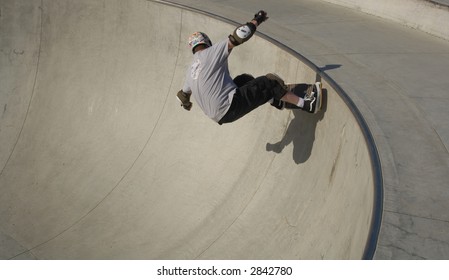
(209, 81)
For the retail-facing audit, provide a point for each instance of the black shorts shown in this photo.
(250, 94)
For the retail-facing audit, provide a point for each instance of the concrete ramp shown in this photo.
(99, 161)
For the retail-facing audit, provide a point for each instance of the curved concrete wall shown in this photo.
(426, 15)
(98, 161)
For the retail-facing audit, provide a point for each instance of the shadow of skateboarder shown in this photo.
(300, 132)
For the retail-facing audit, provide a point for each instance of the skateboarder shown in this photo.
(225, 100)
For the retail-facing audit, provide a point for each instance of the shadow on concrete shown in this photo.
(300, 132)
(329, 67)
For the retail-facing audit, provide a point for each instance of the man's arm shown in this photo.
(244, 32)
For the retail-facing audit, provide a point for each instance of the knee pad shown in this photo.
(242, 33)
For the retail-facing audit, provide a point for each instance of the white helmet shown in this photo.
(199, 38)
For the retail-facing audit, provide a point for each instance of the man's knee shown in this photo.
(243, 79)
(279, 88)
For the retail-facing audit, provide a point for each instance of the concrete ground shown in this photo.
(397, 76)
(442, 2)
(99, 161)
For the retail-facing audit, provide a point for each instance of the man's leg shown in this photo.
(291, 98)
(243, 79)
(252, 95)
(310, 103)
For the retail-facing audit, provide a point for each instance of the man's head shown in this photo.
(199, 39)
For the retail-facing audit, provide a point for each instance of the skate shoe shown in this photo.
(312, 100)
(278, 104)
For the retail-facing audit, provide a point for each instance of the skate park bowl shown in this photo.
(99, 161)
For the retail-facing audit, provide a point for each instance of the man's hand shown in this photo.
(260, 17)
(184, 98)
